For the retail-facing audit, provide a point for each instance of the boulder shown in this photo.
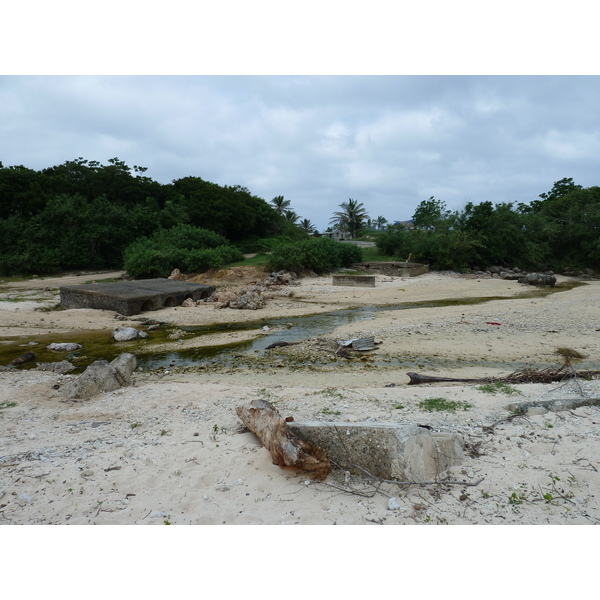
(124, 334)
(102, 376)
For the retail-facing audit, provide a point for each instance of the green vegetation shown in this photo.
(498, 387)
(318, 254)
(7, 405)
(441, 404)
(82, 215)
(558, 231)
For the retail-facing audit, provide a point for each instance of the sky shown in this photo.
(388, 104)
(388, 142)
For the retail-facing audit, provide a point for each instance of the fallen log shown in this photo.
(549, 375)
(286, 448)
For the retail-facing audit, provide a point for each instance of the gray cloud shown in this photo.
(387, 141)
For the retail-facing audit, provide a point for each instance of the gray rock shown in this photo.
(124, 334)
(64, 347)
(539, 279)
(102, 376)
(62, 367)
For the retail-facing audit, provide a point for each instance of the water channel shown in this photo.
(98, 345)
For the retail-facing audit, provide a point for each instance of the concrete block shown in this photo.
(133, 297)
(401, 451)
(354, 280)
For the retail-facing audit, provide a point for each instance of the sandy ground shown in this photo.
(171, 449)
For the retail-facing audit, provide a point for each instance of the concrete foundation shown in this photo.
(395, 269)
(133, 297)
(354, 280)
(403, 451)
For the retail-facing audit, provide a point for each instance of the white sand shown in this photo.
(170, 448)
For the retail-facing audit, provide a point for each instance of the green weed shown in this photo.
(498, 387)
(441, 404)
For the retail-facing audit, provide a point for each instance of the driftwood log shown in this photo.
(287, 450)
(549, 375)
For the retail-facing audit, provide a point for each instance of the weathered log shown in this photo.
(287, 450)
(523, 376)
(416, 379)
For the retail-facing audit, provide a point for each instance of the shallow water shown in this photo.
(100, 345)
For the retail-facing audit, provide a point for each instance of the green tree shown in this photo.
(380, 222)
(307, 226)
(281, 204)
(351, 218)
(429, 213)
(291, 216)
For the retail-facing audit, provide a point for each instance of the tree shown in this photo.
(307, 226)
(291, 216)
(281, 204)
(351, 218)
(380, 222)
(429, 213)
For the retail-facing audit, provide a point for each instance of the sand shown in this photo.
(170, 448)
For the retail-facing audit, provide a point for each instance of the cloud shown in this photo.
(387, 141)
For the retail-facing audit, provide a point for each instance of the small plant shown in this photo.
(498, 387)
(331, 393)
(134, 425)
(166, 522)
(399, 406)
(441, 404)
(515, 498)
(328, 411)
(7, 404)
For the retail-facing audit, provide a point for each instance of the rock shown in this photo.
(27, 357)
(64, 347)
(188, 303)
(124, 334)
(176, 274)
(539, 279)
(102, 376)
(393, 504)
(62, 367)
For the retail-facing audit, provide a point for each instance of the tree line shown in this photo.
(558, 231)
(86, 215)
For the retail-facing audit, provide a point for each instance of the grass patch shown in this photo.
(498, 387)
(7, 404)
(260, 260)
(441, 404)
(374, 255)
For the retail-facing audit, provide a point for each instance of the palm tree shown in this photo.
(351, 218)
(291, 216)
(307, 226)
(380, 222)
(281, 204)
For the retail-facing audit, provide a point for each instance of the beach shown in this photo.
(169, 447)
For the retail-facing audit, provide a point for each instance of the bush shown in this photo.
(184, 247)
(318, 254)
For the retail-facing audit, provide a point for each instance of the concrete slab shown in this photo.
(400, 451)
(354, 280)
(395, 269)
(133, 297)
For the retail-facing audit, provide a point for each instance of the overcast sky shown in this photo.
(387, 141)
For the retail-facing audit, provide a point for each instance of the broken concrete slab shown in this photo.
(395, 269)
(354, 280)
(400, 451)
(102, 376)
(133, 297)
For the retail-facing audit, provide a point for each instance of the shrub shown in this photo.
(184, 247)
(318, 254)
